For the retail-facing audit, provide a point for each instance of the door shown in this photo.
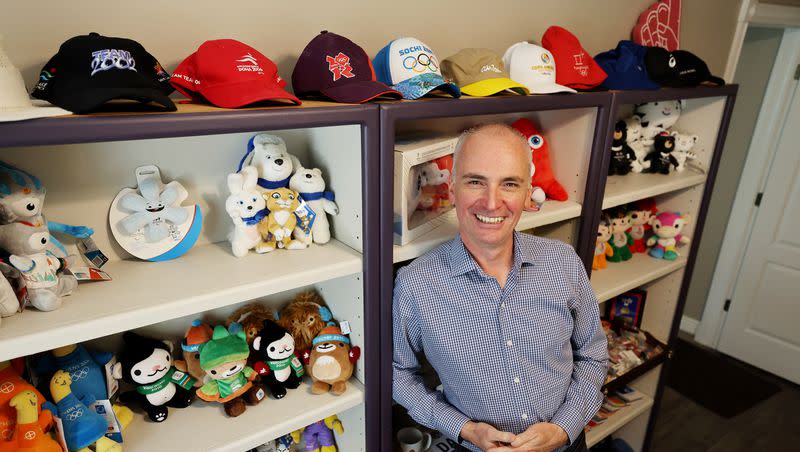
(763, 322)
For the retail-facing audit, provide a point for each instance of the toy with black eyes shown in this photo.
(247, 208)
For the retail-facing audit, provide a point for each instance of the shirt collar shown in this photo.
(462, 262)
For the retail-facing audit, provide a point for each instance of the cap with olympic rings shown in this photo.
(410, 66)
(480, 72)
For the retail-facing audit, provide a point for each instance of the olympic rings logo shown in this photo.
(421, 63)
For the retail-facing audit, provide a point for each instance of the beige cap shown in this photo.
(480, 72)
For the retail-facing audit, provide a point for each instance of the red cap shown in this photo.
(575, 68)
(229, 74)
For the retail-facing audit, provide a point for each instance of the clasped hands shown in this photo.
(540, 437)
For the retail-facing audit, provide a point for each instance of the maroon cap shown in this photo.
(336, 67)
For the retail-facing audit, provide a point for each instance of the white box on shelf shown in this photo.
(421, 175)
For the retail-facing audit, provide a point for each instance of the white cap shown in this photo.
(534, 67)
(15, 104)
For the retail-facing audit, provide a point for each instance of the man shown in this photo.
(508, 320)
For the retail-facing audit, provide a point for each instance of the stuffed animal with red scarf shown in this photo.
(641, 213)
(543, 177)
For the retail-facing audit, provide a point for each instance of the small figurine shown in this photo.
(602, 248)
(198, 334)
(667, 227)
(622, 155)
(318, 437)
(278, 366)
(331, 361)
(640, 217)
(621, 240)
(661, 158)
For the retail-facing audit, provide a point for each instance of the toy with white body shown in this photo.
(247, 208)
(309, 183)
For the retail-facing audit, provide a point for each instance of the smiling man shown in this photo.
(508, 321)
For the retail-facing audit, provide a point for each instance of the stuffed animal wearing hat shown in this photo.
(251, 317)
(304, 317)
(247, 208)
(268, 154)
(277, 229)
(622, 156)
(318, 437)
(27, 245)
(311, 187)
(667, 227)
(331, 361)
(11, 386)
(602, 248)
(543, 178)
(278, 366)
(29, 433)
(196, 335)
(641, 215)
(81, 425)
(683, 149)
(661, 158)
(621, 240)
(160, 381)
(224, 359)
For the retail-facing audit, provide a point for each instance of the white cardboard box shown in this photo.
(420, 185)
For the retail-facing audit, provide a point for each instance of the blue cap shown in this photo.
(410, 66)
(625, 67)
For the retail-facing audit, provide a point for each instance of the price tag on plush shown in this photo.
(149, 221)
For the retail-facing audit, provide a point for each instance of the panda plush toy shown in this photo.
(160, 382)
(278, 366)
(661, 158)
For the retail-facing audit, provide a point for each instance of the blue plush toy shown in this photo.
(85, 368)
(82, 426)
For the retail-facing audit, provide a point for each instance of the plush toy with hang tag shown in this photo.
(304, 317)
(331, 361)
(272, 161)
(277, 365)
(318, 437)
(311, 187)
(87, 368)
(247, 208)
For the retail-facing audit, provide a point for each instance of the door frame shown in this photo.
(764, 142)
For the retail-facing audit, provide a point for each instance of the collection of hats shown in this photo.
(90, 70)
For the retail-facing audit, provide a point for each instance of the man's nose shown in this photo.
(492, 197)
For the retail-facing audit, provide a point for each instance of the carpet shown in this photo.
(715, 381)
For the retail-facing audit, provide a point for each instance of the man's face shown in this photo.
(490, 186)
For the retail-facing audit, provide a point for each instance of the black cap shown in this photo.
(90, 70)
(677, 69)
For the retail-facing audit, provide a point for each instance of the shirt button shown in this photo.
(516, 379)
(509, 343)
(524, 416)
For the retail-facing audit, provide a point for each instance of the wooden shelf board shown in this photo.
(620, 277)
(618, 420)
(551, 212)
(204, 426)
(143, 293)
(632, 187)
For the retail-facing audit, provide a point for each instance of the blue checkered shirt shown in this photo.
(530, 352)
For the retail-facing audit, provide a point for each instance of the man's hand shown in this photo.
(485, 436)
(541, 437)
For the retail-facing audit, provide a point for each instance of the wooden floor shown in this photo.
(772, 425)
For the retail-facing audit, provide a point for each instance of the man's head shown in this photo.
(490, 184)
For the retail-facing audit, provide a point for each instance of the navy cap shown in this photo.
(335, 67)
(626, 67)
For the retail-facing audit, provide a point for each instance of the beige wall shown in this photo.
(172, 29)
(752, 74)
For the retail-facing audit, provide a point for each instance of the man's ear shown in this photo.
(451, 194)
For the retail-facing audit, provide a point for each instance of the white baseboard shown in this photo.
(689, 325)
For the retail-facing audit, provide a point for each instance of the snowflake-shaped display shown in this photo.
(154, 211)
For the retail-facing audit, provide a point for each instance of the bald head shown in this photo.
(494, 131)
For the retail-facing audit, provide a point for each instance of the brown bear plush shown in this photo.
(251, 317)
(331, 361)
(305, 317)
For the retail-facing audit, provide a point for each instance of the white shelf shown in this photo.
(551, 212)
(205, 426)
(620, 277)
(631, 187)
(143, 293)
(618, 420)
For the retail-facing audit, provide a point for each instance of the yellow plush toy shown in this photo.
(276, 229)
(29, 436)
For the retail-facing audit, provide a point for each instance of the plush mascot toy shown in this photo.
(663, 114)
(160, 381)
(268, 154)
(278, 366)
(277, 228)
(196, 335)
(641, 218)
(543, 177)
(247, 208)
(331, 361)
(224, 359)
(661, 158)
(84, 366)
(602, 248)
(318, 437)
(305, 317)
(667, 227)
(311, 187)
(13, 385)
(621, 240)
(251, 317)
(622, 156)
(29, 435)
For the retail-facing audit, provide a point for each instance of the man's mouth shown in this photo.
(489, 220)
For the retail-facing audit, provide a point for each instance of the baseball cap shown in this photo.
(678, 68)
(534, 67)
(480, 72)
(575, 67)
(229, 74)
(411, 67)
(15, 105)
(90, 70)
(625, 67)
(336, 67)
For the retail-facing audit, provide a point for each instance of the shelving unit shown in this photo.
(618, 420)
(199, 146)
(621, 277)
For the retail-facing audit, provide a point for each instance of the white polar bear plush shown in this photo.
(662, 114)
(634, 140)
(268, 154)
(683, 149)
(311, 186)
(246, 207)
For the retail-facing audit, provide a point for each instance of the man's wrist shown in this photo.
(466, 432)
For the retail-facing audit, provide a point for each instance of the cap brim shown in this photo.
(92, 99)
(422, 84)
(491, 86)
(246, 93)
(714, 80)
(33, 112)
(360, 91)
(548, 88)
